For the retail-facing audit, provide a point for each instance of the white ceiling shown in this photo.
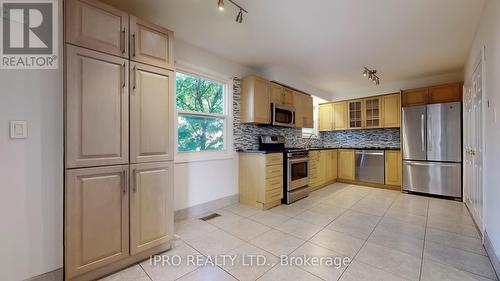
(327, 42)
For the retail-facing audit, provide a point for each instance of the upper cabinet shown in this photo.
(151, 44)
(303, 110)
(392, 111)
(281, 95)
(326, 117)
(255, 100)
(97, 26)
(435, 94)
(372, 112)
(355, 114)
(340, 115)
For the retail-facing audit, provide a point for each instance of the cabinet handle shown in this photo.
(135, 76)
(125, 182)
(133, 43)
(136, 186)
(124, 48)
(124, 74)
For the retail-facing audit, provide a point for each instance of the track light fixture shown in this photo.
(239, 17)
(371, 74)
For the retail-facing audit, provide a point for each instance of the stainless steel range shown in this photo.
(295, 168)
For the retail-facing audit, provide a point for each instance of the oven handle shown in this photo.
(298, 160)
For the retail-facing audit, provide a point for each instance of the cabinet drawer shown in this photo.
(313, 155)
(274, 171)
(273, 183)
(273, 195)
(313, 165)
(274, 159)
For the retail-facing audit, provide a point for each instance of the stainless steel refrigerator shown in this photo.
(432, 149)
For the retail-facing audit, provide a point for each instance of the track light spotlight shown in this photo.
(221, 5)
(239, 17)
(371, 75)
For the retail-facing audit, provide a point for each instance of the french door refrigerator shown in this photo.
(432, 149)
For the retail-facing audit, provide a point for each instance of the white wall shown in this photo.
(488, 35)
(31, 200)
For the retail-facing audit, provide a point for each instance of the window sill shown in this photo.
(189, 157)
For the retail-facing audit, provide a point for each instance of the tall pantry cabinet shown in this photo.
(119, 110)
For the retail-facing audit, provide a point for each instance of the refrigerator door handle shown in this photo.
(427, 164)
(429, 131)
(422, 123)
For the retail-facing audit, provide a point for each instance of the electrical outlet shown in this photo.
(18, 129)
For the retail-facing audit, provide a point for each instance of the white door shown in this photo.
(473, 145)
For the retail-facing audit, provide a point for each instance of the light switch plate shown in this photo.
(18, 129)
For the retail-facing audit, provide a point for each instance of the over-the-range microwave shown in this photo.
(282, 115)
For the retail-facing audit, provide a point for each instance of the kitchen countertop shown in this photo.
(320, 148)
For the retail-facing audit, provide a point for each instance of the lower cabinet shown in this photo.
(96, 218)
(322, 168)
(114, 213)
(151, 205)
(346, 164)
(393, 167)
(261, 179)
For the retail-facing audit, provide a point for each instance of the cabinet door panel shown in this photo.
(288, 97)
(325, 117)
(392, 111)
(415, 97)
(298, 101)
(355, 114)
(307, 112)
(151, 114)
(445, 93)
(372, 113)
(151, 44)
(340, 116)
(346, 164)
(393, 167)
(97, 26)
(255, 106)
(96, 218)
(151, 205)
(276, 93)
(96, 109)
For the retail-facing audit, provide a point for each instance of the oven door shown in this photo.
(298, 173)
(283, 115)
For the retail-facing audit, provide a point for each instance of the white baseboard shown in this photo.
(201, 209)
(56, 275)
(495, 260)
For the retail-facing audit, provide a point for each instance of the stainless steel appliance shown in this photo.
(370, 166)
(295, 167)
(282, 115)
(432, 149)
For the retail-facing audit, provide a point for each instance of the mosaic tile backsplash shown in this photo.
(246, 136)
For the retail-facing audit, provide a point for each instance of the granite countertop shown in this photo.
(257, 151)
(320, 148)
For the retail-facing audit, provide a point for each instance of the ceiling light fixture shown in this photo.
(239, 17)
(371, 74)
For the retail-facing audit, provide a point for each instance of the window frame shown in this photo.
(208, 155)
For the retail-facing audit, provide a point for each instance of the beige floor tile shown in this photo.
(390, 260)
(459, 259)
(434, 271)
(168, 272)
(215, 243)
(299, 228)
(269, 218)
(192, 229)
(226, 217)
(243, 210)
(277, 242)
(338, 242)
(208, 273)
(359, 271)
(369, 208)
(245, 229)
(288, 210)
(407, 217)
(288, 273)
(415, 231)
(397, 241)
(247, 266)
(308, 202)
(328, 210)
(454, 227)
(454, 240)
(342, 201)
(417, 209)
(133, 273)
(315, 218)
(324, 271)
(356, 224)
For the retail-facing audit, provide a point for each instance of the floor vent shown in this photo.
(209, 217)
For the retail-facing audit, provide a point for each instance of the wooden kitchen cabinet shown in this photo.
(415, 97)
(281, 95)
(445, 93)
(255, 100)
(340, 115)
(303, 110)
(331, 170)
(151, 113)
(392, 111)
(393, 167)
(97, 109)
(322, 168)
(326, 117)
(96, 218)
(355, 114)
(372, 113)
(97, 26)
(346, 164)
(151, 44)
(261, 179)
(151, 205)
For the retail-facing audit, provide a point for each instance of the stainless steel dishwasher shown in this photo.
(370, 166)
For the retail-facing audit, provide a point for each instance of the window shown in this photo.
(202, 114)
(314, 132)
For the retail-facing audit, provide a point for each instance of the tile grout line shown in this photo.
(425, 238)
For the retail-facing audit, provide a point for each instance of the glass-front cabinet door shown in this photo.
(355, 114)
(372, 110)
